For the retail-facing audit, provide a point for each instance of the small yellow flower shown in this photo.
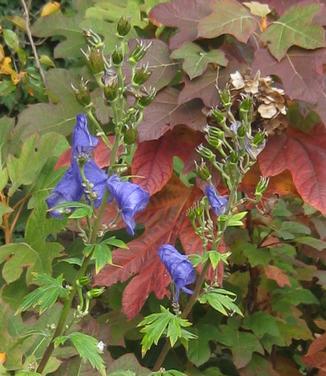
(50, 8)
(3, 357)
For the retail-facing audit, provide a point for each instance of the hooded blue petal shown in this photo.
(83, 143)
(131, 199)
(218, 203)
(98, 178)
(179, 267)
(68, 189)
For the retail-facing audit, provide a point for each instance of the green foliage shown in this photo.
(165, 322)
(86, 347)
(221, 300)
(45, 296)
(295, 27)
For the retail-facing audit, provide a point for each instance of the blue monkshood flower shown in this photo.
(69, 188)
(83, 143)
(218, 203)
(131, 199)
(179, 267)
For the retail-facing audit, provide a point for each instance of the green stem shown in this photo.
(99, 129)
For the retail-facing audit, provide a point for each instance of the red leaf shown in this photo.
(165, 113)
(163, 219)
(101, 156)
(183, 14)
(277, 275)
(301, 73)
(153, 159)
(316, 355)
(305, 157)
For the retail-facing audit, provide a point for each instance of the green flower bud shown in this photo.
(246, 109)
(218, 115)
(82, 93)
(141, 75)
(84, 281)
(146, 97)
(117, 56)
(93, 39)
(202, 171)
(95, 293)
(130, 136)
(95, 59)
(123, 26)
(205, 152)
(139, 52)
(111, 84)
(215, 132)
(261, 187)
(226, 98)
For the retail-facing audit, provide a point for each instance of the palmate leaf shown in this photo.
(196, 60)
(221, 300)
(87, 348)
(156, 324)
(295, 27)
(46, 295)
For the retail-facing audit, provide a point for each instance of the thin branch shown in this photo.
(30, 38)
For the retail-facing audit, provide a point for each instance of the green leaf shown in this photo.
(295, 27)
(38, 229)
(122, 373)
(262, 323)
(221, 300)
(233, 220)
(258, 9)
(17, 257)
(83, 210)
(318, 244)
(46, 295)
(34, 154)
(3, 178)
(228, 17)
(154, 325)
(11, 39)
(288, 229)
(256, 256)
(4, 209)
(199, 350)
(102, 255)
(115, 242)
(196, 59)
(87, 348)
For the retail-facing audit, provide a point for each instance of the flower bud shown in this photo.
(218, 115)
(130, 136)
(95, 59)
(202, 171)
(95, 293)
(141, 75)
(93, 39)
(117, 56)
(111, 84)
(146, 98)
(245, 109)
(139, 52)
(83, 281)
(82, 93)
(123, 26)
(205, 152)
(215, 132)
(226, 98)
(261, 187)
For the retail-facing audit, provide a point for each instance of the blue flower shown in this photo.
(218, 203)
(83, 143)
(69, 188)
(179, 267)
(131, 199)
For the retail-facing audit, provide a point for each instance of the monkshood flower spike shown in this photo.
(218, 203)
(179, 267)
(86, 178)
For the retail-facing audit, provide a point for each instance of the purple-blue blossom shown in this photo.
(179, 267)
(85, 178)
(130, 198)
(218, 203)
